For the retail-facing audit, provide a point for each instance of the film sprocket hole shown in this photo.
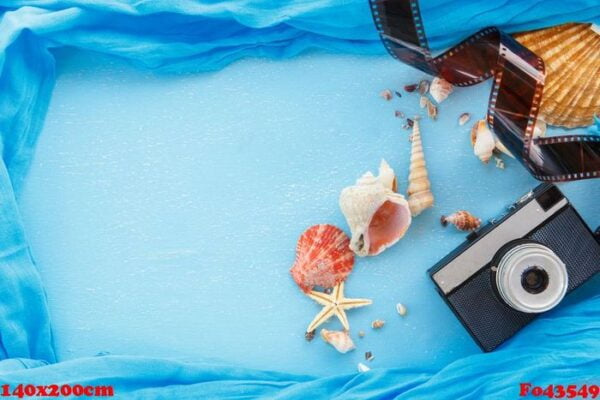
(518, 266)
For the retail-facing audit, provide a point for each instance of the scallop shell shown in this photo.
(571, 54)
(322, 257)
(440, 89)
(463, 220)
(378, 217)
(340, 340)
(419, 187)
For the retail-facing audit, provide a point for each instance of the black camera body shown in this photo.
(517, 266)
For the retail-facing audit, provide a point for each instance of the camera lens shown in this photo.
(534, 280)
(530, 277)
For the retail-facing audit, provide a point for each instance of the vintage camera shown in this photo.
(517, 266)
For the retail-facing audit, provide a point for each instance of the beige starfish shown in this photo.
(334, 304)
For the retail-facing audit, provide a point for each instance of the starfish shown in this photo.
(334, 304)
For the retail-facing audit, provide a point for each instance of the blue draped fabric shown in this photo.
(192, 36)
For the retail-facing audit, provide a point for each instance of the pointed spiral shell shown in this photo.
(463, 220)
(419, 193)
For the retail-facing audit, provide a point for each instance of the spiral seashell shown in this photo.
(340, 340)
(377, 324)
(483, 141)
(323, 257)
(440, 89)
(419, 193)
(377, 216)
(463, 220)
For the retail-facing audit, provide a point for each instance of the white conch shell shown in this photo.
(419, 187)
(377, 216)
(440, 89)
(483, 141)
(501, 148)
(539, 129)
(340, 340)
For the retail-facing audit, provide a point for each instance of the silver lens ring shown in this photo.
(520, 260)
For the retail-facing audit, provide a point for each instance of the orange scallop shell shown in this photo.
(323, 257)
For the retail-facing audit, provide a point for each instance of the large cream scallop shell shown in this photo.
(377, 216)
(571, 53)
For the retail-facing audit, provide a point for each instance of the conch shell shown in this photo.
(340, 340)
(440, 89)
(463, 220)
(483, 141)
(378, 217)
(419, 193)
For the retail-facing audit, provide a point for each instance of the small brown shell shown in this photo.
(377, 324)
(411, 88)
(463, 220)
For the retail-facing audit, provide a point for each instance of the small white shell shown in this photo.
(362, 367)
(387, 177)
(386, 94)
(423, 101)
(539, 129)
(440, 89)
(464, 118)
(401, 308)
(499, 162)
(340, 340)
(483, 141)
(359, 204)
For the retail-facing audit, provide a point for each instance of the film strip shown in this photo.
(516, 90)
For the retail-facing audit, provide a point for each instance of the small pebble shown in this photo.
(410, 122)
(361, 334)
(309, 336)
(386, 94)
(401, 309)
(328, 290)
(499, 162)
(363, 368)
(369, 356)
(398, 93)
(377, 324)
(398, 114)
(411, 88)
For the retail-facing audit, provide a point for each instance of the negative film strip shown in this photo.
(516, 91)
